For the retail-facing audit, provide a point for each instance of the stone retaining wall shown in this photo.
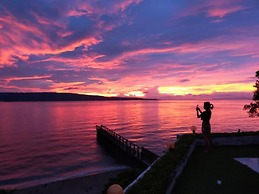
(233, 140)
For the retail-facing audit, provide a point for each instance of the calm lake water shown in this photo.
(45, 141)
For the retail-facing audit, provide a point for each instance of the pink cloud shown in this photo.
(219, 8)
(64, 86)
(99, 7)
(30, 83)
(27, 83)
(122, 5)
(27, 78)
(14, 32)
(13, 44)
(223, 11)
(237, 47)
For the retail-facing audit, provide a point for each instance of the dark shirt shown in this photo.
(205, 116)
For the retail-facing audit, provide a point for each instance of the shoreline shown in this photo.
(93, 184)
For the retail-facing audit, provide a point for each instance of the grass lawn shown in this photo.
(204, 169)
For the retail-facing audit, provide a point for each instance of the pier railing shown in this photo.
(143, 155)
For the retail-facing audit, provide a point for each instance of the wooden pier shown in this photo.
(110, 138)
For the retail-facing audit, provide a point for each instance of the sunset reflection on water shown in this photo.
(49, 140)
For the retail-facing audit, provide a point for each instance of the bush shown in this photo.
(157, 179)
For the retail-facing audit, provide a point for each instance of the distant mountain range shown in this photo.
(53, 96)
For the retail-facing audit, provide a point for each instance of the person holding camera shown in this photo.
(206, 127)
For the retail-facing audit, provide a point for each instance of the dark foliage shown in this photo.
(5, 191)
(256, 92)
(253, 107)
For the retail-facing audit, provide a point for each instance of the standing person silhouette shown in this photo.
(206, 128)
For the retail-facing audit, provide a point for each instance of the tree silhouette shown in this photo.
(253, 107)
(256, 92)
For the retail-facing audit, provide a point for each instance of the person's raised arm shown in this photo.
(198, 111)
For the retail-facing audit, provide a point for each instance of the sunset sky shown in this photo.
(149, 48)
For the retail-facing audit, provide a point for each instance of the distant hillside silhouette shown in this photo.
(52, 96)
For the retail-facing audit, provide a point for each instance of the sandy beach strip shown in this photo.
(93, 184)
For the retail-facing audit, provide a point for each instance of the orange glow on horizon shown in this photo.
(172, 91)
(206, 89)
(135, 94)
